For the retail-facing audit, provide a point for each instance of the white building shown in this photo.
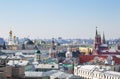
(46, 67)
(95, 72)
(68, 53)
(52, 74)
(13, 40)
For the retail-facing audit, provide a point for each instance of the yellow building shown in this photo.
(85, 50)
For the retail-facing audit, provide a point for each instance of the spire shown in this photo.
(96, 31)
(4, 46)
(53, 44)
(103, 41)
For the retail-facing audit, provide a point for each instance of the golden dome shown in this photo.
(14, 37)
(10, 32)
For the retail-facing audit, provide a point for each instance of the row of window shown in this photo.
(96, 75)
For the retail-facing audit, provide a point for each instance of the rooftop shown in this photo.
(18, 62)
(52, 73)
(47, 66)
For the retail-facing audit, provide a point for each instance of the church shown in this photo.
(101, 50)
(12, 41)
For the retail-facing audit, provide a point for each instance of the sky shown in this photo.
(60, 18)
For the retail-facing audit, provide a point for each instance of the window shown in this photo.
(106, 77)
(114, 68)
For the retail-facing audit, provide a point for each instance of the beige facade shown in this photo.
(2, 75)
(85, 50)
(18, 72)
(9, 72)
(5, 72)
(12, 47)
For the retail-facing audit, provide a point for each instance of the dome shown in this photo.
(10, 32)
(68, 54)
(37, 52)
(28, 42)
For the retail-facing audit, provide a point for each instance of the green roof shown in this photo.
(37, 51)
(50, 61)
(68, 65)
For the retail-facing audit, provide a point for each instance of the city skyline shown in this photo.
(60, 18)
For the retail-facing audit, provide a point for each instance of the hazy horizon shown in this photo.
(59, 18)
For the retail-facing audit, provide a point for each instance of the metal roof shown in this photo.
(51, 73)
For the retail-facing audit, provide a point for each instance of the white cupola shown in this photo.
(68, 53)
